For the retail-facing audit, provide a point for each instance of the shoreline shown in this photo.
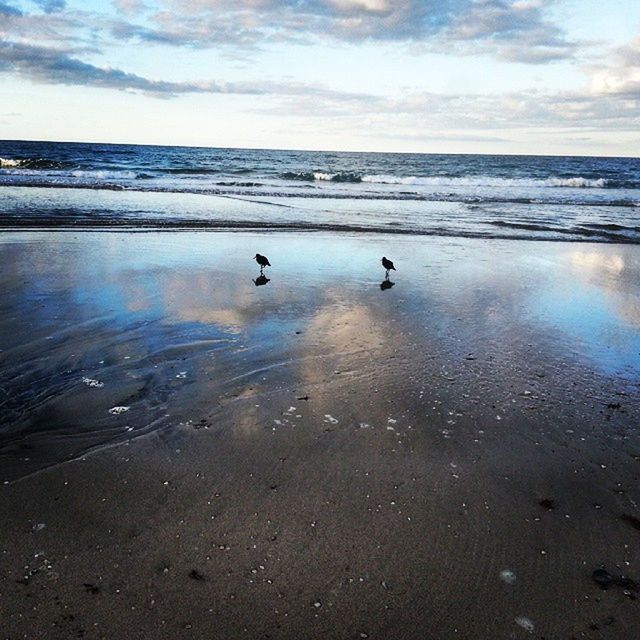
(115, 226)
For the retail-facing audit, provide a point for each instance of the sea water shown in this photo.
(73, 185)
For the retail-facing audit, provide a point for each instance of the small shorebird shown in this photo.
(388, 265)
(263, 261)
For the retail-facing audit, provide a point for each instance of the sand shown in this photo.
(187, 455)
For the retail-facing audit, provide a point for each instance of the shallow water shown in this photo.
(172, 327)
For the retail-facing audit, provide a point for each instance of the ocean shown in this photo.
(45, 185)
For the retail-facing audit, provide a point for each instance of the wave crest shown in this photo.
(575, 182)
(322, 176)
(9, 162)
(31, 163)
(488, 181)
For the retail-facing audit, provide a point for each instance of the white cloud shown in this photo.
(621, 75)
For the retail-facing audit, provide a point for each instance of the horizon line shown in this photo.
(307, 150)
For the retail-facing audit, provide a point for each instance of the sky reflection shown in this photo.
(175, 327)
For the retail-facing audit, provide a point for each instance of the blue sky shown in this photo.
(477, 76)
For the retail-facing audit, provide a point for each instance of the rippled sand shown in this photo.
(187, 454)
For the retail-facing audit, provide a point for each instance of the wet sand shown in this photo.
(451, 457)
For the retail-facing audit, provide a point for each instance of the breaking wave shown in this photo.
(322, 176)
(490, 181)
(19, 165)
(32, 163)
(574, 182)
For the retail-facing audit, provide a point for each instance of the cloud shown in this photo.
(438, 136)
(129, 7)
(8, 10)
(56, 66)
(621, 75)
(201, 23)
(516, 30)
(608, 101)
(51, 6)
(66, 29)
(426, 116)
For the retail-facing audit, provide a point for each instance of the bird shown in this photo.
(263, 261)
(388, 265)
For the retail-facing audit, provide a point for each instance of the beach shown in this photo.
(188, 455)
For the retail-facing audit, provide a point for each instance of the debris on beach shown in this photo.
(604, 580)
(90, 382)
(525, 623)
(330, 419)
(508, 576)
(118, 410)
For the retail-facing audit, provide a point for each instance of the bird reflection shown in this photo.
(261, 280)
(386, 284)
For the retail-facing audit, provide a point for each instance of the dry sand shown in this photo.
(452, 457)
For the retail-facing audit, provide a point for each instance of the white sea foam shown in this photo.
(9, 162)
(318, 175)
(579, 182)
(103, 175)
(486, 181)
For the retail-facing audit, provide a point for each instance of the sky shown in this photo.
(445, 76)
